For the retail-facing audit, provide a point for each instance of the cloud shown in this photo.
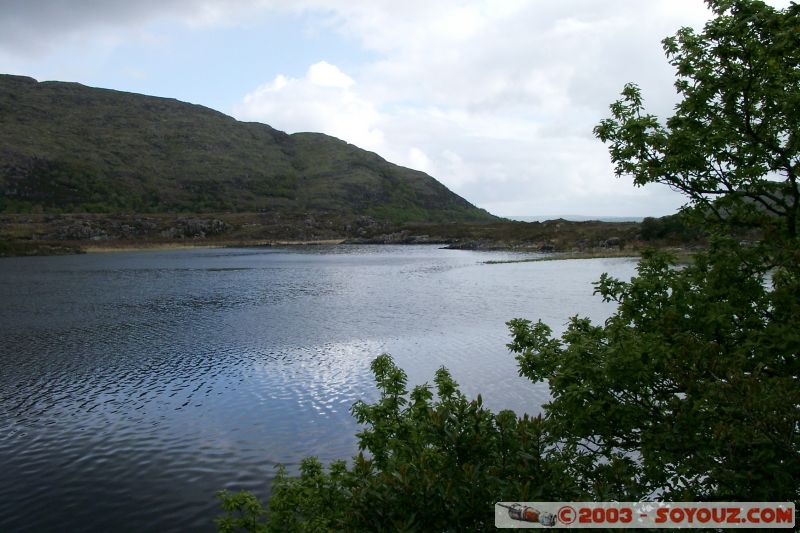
(32, 28)
(35, 27)
(323, 74)
(495, 99)
(324, 100)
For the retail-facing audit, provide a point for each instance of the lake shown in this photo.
(134, 385)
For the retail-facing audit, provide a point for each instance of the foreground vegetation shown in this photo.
(688, 392)
(438, 463)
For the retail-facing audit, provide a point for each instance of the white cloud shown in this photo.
(324, 100)
(324, 74)
(419, 160)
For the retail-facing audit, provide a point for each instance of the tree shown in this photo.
(691, 387)
(689, 391)
(735, 134)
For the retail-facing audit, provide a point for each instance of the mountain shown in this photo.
(65, 147)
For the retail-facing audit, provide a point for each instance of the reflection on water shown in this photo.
(135, 385)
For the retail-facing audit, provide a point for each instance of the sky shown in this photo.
(496, 99)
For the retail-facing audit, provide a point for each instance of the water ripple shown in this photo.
(135, 385)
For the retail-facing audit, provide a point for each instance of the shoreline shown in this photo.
(682, 256)
(565, 256)
(66, 234)
(144, 247)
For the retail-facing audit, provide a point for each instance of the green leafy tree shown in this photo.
(733, 144)
(675, 229)
(690, 390)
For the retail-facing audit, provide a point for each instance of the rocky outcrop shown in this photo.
(400, 237)
(195, 228)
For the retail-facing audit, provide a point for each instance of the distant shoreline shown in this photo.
(573, 218)
(683, 255)
(47, 234)
(563, 256)
(140, 247)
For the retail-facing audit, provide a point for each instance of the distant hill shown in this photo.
(65, 147)
(574, 218)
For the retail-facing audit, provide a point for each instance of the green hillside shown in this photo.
(67, 148)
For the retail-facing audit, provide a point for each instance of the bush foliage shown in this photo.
(430, 459)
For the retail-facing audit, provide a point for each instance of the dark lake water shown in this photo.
(135, 385)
